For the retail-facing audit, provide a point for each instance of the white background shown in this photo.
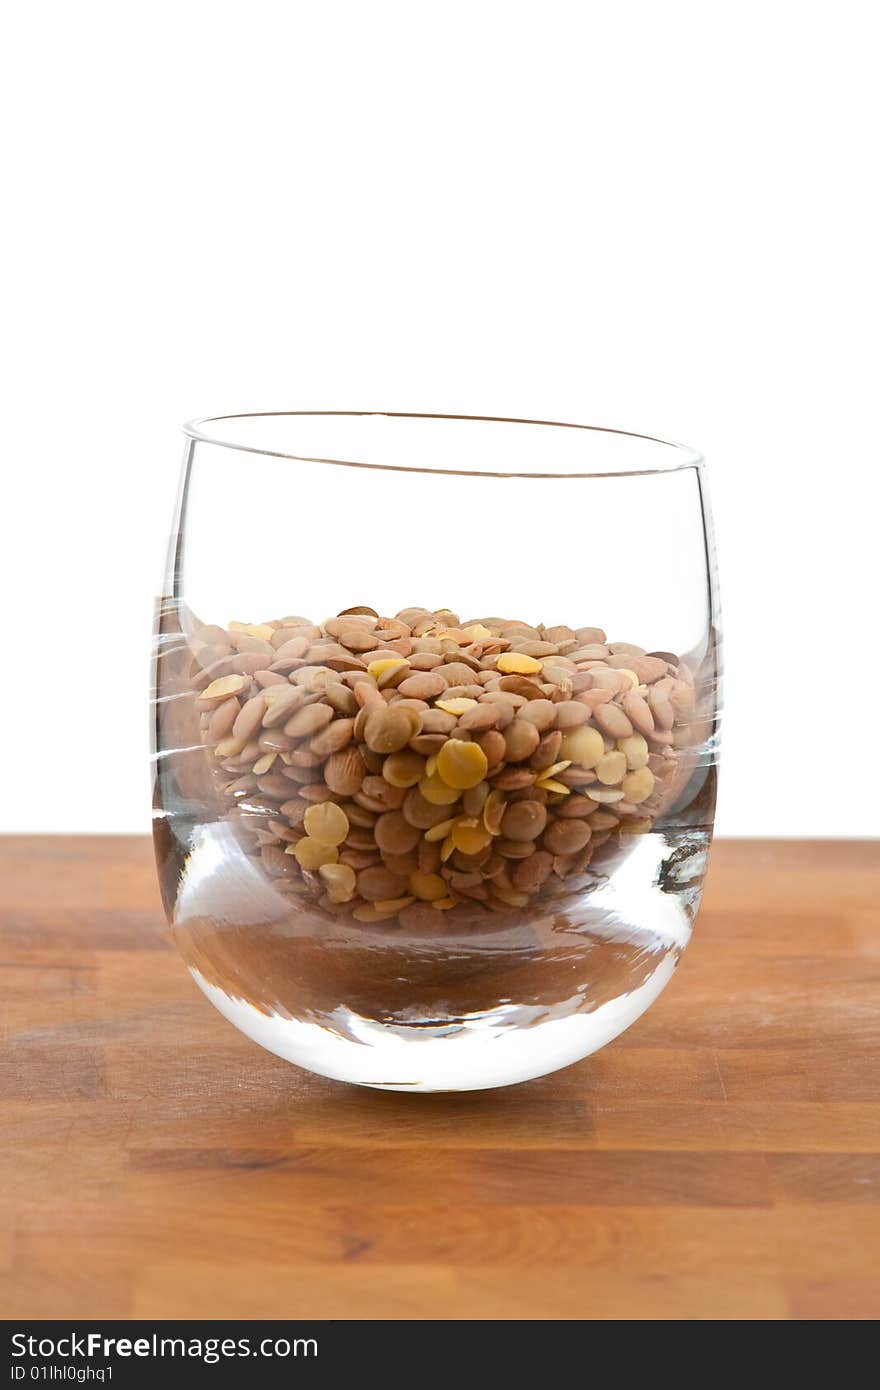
(655, 216)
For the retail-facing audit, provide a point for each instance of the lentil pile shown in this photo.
(401, 768)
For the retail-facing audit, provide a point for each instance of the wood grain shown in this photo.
(720, 1160)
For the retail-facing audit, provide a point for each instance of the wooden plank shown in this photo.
(720, 1160)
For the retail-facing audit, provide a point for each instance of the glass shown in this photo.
(456, 837)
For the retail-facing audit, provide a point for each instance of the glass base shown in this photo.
(500, 1047)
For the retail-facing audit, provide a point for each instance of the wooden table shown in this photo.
(720, 1160)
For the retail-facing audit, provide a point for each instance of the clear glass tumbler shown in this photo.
(436, 706)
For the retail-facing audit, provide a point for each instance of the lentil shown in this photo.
(515, 662)
(461, 765)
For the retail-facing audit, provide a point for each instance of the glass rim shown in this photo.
(685, 457)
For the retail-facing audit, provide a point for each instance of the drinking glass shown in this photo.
(435, 720)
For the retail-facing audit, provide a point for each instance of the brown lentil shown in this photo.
(427, 685)
(420, 812)
(524, 820)
(221, 721)
(611, 720)
(394, 835)
(387, 730)
(570, 715)
(638, 711)
(377, 884)
(521, 738)
(309, 720)
(530, 873)
(344, 772)
(335, 737)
